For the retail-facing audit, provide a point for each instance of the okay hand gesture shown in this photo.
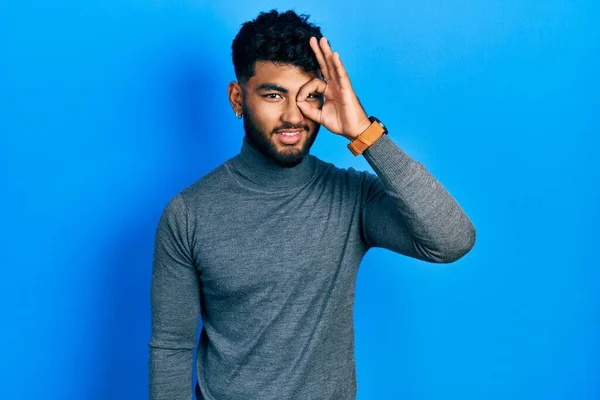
(341, 113)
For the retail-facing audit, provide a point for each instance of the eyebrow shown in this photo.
(271, 86)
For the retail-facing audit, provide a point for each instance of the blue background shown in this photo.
(108, 109)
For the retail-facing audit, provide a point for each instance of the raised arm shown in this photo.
(175, 304)
(408, 211)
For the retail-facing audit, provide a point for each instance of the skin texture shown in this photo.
(283, 97)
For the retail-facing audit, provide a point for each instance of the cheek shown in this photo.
(265, 116)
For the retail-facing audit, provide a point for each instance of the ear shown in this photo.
(234, 92)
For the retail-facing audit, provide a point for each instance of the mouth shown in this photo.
(289, 136)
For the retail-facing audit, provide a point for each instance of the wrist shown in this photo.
(361, 127)
(367, 138)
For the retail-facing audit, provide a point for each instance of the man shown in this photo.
(266, 247)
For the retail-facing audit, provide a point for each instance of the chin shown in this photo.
(291, 155)
(288, 158)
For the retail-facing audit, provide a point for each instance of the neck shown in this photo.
(262, 171)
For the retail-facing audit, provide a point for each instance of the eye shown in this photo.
(272, 96)
(313, 96)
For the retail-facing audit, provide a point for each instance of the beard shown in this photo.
(260, 141)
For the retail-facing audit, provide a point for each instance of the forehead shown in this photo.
(288, 76)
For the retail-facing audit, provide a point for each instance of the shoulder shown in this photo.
(210, 185)
(196, 193)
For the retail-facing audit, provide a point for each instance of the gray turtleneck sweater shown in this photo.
(268, 258)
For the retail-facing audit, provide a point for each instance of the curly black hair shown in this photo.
(273, 36)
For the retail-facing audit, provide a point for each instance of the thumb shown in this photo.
(310, 111)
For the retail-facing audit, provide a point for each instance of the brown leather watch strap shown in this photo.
(366, 139)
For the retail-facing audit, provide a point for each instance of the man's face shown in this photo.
(272, 120)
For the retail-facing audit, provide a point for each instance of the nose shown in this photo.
(292, 113)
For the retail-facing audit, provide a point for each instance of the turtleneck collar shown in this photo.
(263, 173)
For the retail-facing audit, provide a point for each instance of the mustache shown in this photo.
(290, 126)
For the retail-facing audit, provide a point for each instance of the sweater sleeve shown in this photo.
(175, 307)
(408, 211)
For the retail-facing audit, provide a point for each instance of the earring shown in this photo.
(238, 114)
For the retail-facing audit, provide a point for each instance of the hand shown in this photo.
(341, 113)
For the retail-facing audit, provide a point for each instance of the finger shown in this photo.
(310, 111)
(314, 85)
(326, 49)
(340, 70)
(314, 44)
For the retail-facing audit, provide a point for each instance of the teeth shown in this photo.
(289, 133)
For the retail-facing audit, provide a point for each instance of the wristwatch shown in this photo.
(366, 139)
